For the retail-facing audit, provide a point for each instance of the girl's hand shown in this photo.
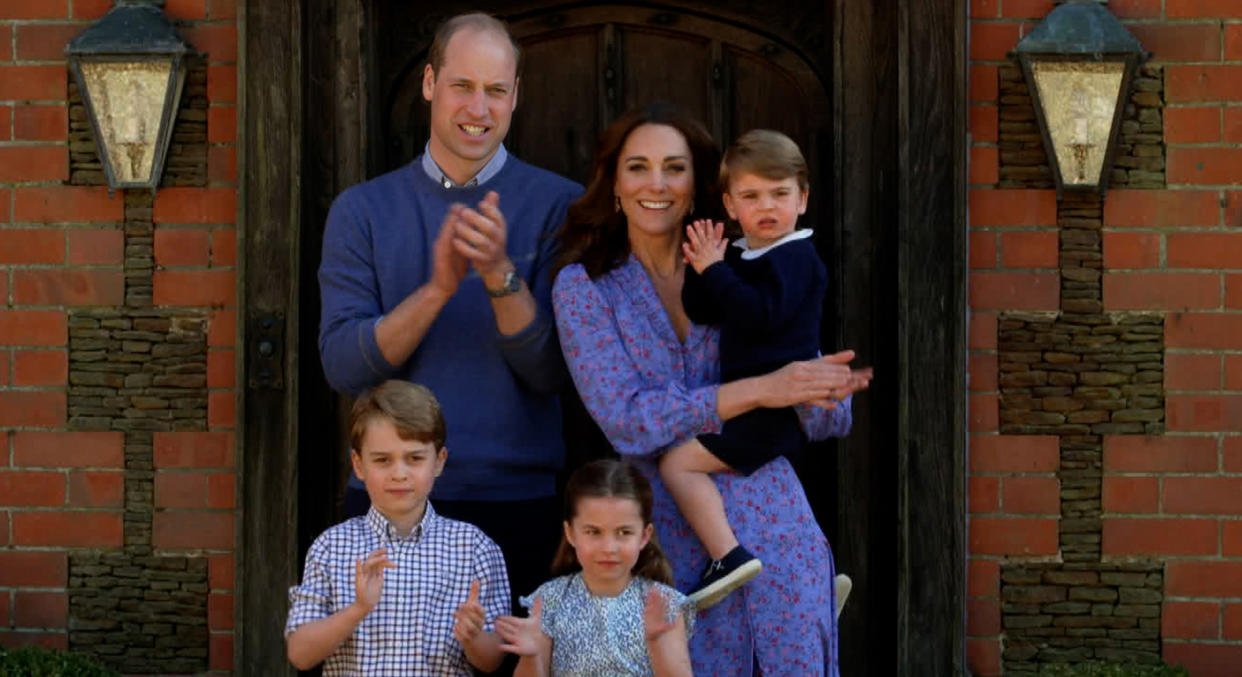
(704, 245)
(523, 636)
(369, 578)
(469, 617)
(655, 615)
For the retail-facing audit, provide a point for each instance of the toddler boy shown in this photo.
(766, 292)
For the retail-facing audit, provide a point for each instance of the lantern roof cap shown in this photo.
(1080, 27)
(135, 27)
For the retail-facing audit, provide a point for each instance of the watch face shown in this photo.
(511, 284)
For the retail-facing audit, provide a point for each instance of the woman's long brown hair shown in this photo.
(594, 233)
(609, 478)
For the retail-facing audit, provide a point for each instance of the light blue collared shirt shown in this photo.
(492, 168)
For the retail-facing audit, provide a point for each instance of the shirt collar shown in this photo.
(748, 253)
(492, 168)
(384, 528)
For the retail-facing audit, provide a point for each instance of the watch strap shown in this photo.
(512, 283)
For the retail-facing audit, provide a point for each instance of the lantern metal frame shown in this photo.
(1081, 31)
(133, 31)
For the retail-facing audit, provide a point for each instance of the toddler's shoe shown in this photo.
(723, 576)
(843, 585)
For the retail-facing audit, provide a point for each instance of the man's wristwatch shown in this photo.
(511, 285)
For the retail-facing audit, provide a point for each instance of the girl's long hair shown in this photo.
(609, 478)
(595, 233)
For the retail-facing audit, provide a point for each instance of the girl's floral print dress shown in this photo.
(648, 391)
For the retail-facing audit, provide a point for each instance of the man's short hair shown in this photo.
(476, 21)
(765, 153)
(412, 409)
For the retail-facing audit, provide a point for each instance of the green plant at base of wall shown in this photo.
(33, 661)
(1110, 670)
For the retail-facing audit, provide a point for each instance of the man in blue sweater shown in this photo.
(438, 273)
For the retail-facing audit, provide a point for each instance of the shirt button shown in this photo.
(447, 184)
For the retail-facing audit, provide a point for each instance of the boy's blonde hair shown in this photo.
(765, 153)
(412, 409)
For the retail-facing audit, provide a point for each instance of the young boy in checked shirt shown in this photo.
(400, 590)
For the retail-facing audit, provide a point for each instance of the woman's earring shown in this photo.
(618, 207)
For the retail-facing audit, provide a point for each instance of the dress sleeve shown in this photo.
(550, 591)
(489, 570)
(639, 417)
(351, 306)
(312, 600)
(534, 353)
(820, 424)
(676, 602)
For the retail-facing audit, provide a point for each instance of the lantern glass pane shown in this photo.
(1079, 99)
(128, 102)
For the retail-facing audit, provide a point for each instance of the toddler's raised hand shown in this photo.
(522, 636)
(469, 617)
(704, 245)
(369, 578)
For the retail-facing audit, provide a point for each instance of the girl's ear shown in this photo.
(569, 533)
(647, 531)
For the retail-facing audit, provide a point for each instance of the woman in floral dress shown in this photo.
(650, 379)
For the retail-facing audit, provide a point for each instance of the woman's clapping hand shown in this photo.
(822, 382)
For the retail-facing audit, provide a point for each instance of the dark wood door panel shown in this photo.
(558, 117)
(668, 66)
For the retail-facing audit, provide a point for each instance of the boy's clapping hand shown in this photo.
(369, 578)
(704, 245)
(469, 616)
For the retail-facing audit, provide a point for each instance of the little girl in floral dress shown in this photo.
(611, 610)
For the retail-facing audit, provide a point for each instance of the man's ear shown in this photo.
(429, 82)
(516, 82)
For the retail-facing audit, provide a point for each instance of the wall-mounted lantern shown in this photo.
(1079, 63)
(130, 67)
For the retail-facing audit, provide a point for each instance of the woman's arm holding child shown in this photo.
(311, 643)
(667, 643)
(482, 648)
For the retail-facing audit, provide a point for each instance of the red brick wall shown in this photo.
(1177, 496)
(61, 249)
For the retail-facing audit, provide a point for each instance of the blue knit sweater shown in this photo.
(498, 393)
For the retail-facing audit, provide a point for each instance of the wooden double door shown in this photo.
(840, 78)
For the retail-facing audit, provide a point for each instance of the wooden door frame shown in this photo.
(899, 96)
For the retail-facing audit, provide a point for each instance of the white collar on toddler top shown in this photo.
(750, 254)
